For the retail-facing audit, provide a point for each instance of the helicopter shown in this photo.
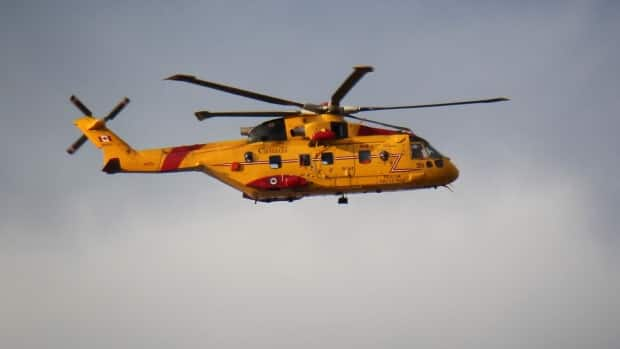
(308, 151)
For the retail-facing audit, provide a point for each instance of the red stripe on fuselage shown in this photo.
(176, 155)
(371, 131)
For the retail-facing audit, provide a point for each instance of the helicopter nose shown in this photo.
(452, 173)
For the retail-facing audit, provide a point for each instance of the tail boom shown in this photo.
(118, 156)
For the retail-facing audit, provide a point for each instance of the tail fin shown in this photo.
(95, 130)
(118, 156)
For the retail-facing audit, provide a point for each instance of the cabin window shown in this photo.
(304, 159)
(364, 156)
(327, 158)
(275, 161)
(416, 151)
(248, 156)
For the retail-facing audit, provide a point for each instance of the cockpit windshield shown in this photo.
(423, 150)
(433, 153)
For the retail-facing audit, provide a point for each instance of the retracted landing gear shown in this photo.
(343, 200)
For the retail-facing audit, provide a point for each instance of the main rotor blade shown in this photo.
(400, 128)
(358, 72)
(201, 115)
(112, 114)
(490, 100)
(80, 106)
(234, 90)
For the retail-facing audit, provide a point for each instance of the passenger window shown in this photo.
(248, 156)
(364, 156)
(275, 161)
(416, 151)
(304, 159)
(327, 158)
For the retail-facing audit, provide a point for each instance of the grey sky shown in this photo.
(524, 253)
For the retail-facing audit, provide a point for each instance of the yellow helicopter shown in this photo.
(309, 151)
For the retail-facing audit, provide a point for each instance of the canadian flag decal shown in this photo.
(105, 139)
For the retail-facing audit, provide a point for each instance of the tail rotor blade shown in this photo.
(111, 115)
(77, 144)
(80, 106)
(116, 109)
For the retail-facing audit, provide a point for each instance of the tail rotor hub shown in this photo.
(111, 115)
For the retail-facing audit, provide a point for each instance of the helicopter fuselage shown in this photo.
(275, 164)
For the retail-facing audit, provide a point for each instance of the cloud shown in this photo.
(515, 267)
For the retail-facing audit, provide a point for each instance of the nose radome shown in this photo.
(453, 172)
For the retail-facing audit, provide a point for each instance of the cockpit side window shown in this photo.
(417, 151)
(424, 151)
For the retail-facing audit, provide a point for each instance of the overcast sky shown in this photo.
(524, 253)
